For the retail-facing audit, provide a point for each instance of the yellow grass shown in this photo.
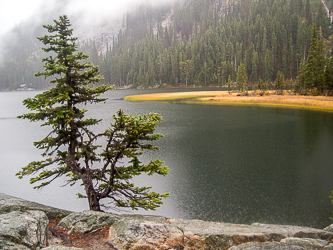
(223, 98)
(173, 96)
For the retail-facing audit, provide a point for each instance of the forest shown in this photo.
(286, 44)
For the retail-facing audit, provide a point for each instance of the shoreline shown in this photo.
(319, 103)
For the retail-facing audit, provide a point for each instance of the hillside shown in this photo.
(191, 42)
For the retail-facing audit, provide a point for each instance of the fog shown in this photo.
(18, 18)
(15, 12)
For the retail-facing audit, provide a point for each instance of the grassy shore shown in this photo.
(224, 98)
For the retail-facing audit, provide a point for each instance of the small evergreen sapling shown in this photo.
(70, 148)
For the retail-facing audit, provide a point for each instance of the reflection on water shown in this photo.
(231, 164)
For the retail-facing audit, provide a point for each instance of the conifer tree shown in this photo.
(279, 82)
(313, 68)
(328, 76)
(300, 81)
(70, 148)
(241, 78)
(229, 84)
(186, 67)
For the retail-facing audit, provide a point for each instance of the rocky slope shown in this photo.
(27, 225)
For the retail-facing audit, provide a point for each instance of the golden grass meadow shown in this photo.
(324, 103)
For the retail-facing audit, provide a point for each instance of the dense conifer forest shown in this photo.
(207, 42)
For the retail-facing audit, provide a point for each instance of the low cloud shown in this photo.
(85, 15)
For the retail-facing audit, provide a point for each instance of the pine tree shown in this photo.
(300, 80)
(279, 83)
(328, 76)
(70, 148)
(230, 84)
(314, 64)
(255, 61)
(241, 78)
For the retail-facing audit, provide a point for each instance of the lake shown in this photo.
(236, 164)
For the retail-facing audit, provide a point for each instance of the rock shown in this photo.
(156, 219)
(145, 232)
(306, 242)
(214, 235)
(7, 245)
(87, 221)
(60, 248)
(266, 246)
(287, 243)
(329, 246)
(329, 228)
(9, 204)
(27, 229)
(296, 231)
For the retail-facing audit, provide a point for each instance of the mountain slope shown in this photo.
(200, 42)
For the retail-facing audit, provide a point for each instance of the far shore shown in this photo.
(323, 103)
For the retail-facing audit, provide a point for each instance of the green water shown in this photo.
(231, 164)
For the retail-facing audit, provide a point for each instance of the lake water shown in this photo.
(228, 163)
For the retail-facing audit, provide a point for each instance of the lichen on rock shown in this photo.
(24, 228)
(152, 233)
(87, 221)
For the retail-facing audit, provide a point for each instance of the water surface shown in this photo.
(236, 164)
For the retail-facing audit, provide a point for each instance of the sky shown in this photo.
(12, 12)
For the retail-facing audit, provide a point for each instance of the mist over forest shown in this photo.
(176, 43)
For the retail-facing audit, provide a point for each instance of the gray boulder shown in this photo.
(60, 248)
(9, 204)
(26, 229)
(214, 235)
(288, 243)
(87, 221)
(267, 246)
(296, 231)
(329, 247)
(306, 242)
(329, 228)
(145, 232)
(7, 245)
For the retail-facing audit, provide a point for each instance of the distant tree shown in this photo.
(279, 83)
(311, 60)
(260, 84)
(230, 84)
(314, 68)
(328, 76)
(300, 80)
(186, 69)
(255, 61)
(241, 78)
(70, 149)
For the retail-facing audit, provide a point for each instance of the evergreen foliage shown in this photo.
(215, 38)
(71, 145)
(241, 78)
(230, 84)
(279, 83)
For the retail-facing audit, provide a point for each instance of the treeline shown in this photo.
(206, 41)
(196, 42)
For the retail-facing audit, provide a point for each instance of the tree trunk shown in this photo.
(84, 175)
(90, 191)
